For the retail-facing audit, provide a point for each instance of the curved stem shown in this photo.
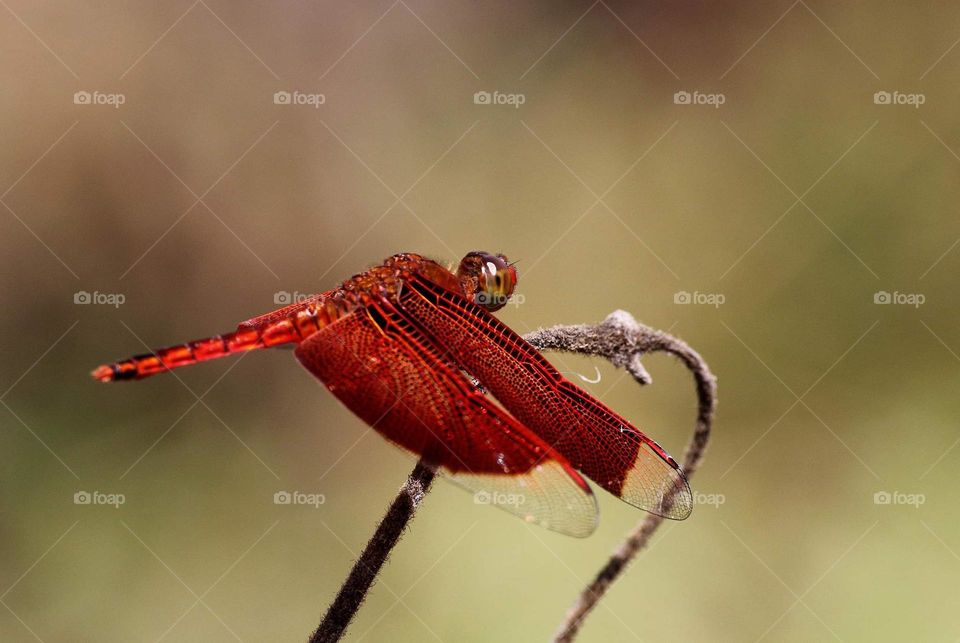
(622, 340)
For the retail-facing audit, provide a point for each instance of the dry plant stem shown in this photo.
(622, 340)
(365, 570)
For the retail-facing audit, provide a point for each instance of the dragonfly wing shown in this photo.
(384, 369)
(593, 438)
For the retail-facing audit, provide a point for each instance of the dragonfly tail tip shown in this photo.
(102, 373)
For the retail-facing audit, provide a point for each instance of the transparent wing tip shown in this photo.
(677, 502)
(655, 487)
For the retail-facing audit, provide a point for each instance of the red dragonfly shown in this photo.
(411, 348)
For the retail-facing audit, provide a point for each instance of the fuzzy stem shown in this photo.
(622, 340)
(374, 555)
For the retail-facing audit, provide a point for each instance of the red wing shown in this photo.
(387, 372)
(596, 441)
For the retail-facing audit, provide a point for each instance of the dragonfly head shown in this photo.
(487, 279)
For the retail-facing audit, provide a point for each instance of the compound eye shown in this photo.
(497, 280)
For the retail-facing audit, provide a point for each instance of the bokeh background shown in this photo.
(794, 202)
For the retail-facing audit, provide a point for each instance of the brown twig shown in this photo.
(374, 555)
(622, 340)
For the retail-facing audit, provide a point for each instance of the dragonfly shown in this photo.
(412, 348)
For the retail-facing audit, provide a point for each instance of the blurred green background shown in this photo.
(198, 199)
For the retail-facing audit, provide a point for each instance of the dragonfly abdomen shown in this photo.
(201, 350)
